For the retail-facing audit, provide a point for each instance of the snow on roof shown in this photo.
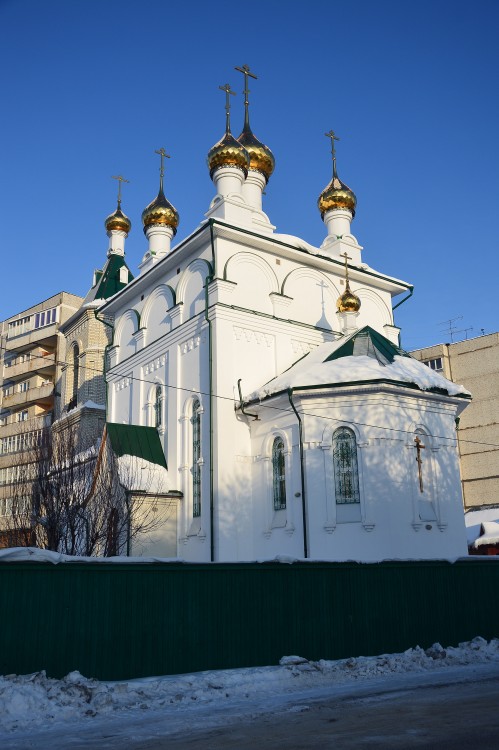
(382, 360)
(490, 534)
(139, 475)
(476, 519)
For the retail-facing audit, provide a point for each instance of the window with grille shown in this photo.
(278, 474)
(196, 455)
(158, 406)
(346, 470)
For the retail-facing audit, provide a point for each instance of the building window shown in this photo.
(196, 455)
(278, 474)
(22, 416)
(24, 386)
(17, 327)
(46, 318)
(434, 364)
(346, 470)
(158, 406)
(76, 376)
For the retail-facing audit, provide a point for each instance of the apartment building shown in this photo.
(31, 350)
(475, 364)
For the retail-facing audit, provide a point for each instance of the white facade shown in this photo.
(235, 305)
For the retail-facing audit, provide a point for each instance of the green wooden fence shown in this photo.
(131, 620)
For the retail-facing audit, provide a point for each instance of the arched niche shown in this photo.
(155, 317)
(127, 325)
(314, 298)
(190, 288)
(255, 281)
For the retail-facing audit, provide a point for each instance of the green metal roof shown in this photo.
(135, 440)
(368, 343)
(108, 280)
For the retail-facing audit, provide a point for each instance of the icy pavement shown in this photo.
(36, 711)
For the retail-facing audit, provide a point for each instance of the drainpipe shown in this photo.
(447, 346)
(210, 388)
(303, 501)
(411, 292)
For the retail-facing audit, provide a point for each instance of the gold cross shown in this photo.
(163, 154)
(419, 448)
(347, 258)
(228, 94)
(334, 138)
(120, 180)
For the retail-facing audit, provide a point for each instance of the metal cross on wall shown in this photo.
(419, 448)
(347, 258)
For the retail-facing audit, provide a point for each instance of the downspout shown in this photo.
(303, 501)
(447, 346)
(241, 403)
(411, 292)
(210, 388)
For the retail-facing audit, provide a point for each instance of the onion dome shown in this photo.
(160, 211)
(348, 301)
(336, 195)
(228, 153)
(261, 158)
(118, 221)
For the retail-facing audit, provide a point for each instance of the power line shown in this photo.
(263, 405)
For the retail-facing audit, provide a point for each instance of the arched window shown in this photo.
(278, 474)
(196, 455)
(158, 406)
(346, 470)
(73, 402)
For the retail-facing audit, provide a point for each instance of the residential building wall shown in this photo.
(475, 364)
(31, 349)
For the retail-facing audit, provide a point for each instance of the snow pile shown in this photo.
(490, 534)
(35, 700)
(474, 520)
(142, 476)
(315, 369)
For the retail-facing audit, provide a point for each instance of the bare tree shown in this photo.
(83, 502)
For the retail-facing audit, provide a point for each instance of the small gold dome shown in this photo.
(348, 301)
(228, 153)
(337, 195)
(261, 157)
(160, 212)
(118, 221)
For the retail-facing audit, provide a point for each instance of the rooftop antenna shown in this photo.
(451, 329)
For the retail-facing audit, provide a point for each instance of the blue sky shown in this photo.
(90, 89)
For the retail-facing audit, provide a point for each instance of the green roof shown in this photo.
(135, 440)
(108, 280)
(368, 343)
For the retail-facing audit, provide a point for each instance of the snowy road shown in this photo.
(436, 700)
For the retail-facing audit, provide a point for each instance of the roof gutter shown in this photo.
(411, 292)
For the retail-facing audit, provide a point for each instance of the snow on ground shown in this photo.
(31, 703)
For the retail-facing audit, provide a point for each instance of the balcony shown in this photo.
(39, 362)
(23, 341)
(42, 395)
(13, 427)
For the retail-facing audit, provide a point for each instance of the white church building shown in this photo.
(291, 421)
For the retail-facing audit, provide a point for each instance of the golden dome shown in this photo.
(337, 195)
(348, 301)
(118, 221)
(261, 157)
(228, 153)
(160, 212)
